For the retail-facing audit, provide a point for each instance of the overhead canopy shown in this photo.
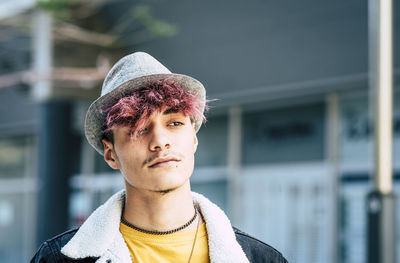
(253, 47)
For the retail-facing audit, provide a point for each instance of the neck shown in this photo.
(159, 211)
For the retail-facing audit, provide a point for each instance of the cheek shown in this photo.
(129, 159)
(189, 147)
(189, 152)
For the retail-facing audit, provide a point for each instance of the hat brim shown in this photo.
(95, 117)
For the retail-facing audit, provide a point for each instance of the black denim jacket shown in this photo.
(255, 250)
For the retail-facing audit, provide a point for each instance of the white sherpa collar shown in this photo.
(100, 237)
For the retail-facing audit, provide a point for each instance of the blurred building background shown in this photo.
(286, 150)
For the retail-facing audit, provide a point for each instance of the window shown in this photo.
(212, 148)
(284, 135)
(15, 157)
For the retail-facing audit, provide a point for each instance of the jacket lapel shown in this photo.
(100, 237)
(222, 244)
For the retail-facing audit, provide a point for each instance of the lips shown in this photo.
(162, 162)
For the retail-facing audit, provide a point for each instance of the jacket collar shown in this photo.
(100, 237)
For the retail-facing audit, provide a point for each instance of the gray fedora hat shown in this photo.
(132, 72)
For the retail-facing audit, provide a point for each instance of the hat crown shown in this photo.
(132, 66)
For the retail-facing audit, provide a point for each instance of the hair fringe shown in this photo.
(134, 110)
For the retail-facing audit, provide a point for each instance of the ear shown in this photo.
(109, 154)
(196, 142)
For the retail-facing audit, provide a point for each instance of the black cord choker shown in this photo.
(155, 232)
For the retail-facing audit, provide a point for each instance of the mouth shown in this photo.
(164, 162)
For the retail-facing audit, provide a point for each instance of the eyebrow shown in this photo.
(169, 111)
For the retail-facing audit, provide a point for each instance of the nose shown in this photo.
(159, 140)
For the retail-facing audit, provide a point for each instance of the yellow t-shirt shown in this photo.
(175, 247)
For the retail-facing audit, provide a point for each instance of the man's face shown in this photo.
(160, 158)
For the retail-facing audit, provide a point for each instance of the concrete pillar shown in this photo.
(54, 168)
(381, 207)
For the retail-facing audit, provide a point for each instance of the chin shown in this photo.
(169, 182)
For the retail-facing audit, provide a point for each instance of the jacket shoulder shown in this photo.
(256, 250)
(50, 250)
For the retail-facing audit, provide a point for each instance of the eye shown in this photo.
(176, 123)
(142, 131)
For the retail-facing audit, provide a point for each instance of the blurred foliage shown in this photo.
(139, 26)
(58, 8)
(143, 14)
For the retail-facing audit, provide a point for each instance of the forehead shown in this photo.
(166, 112)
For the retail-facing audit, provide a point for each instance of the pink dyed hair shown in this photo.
(134, 110)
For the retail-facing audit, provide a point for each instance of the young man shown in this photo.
(145, 124)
